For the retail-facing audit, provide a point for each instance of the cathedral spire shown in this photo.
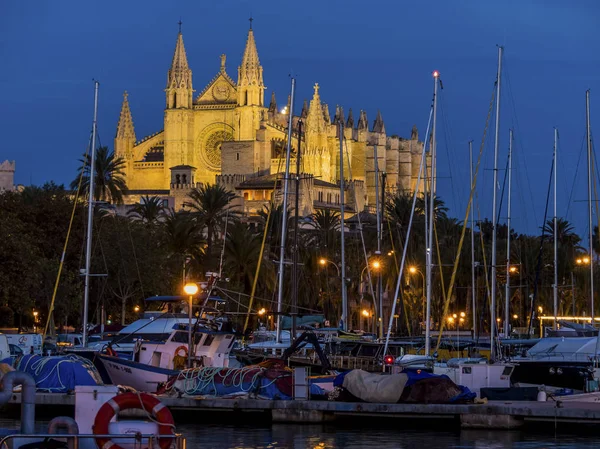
(125, 130)
(250, 75)
(350, 122)
(363, 123)
(179, 80)
(315, 118)
(273, 104)
(378, 126)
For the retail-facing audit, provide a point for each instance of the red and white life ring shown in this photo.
(182, 348)
(160, 413)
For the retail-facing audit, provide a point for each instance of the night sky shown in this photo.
(365, 55)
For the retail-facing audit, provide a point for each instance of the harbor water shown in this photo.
(289, 436)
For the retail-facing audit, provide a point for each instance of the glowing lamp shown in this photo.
(365, 312)
(376, 265)
(136, 309)
(516, 317)
(412, 270)
(262, 311)
(190, 289)
(322, 261)
(436, 74)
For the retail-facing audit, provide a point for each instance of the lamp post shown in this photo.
(415, 270)
(190, 289)
(583, 261)
(458, 319)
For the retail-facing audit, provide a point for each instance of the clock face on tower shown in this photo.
(221, 91)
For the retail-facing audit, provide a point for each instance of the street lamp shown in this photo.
(415, 270)
(190, 289)
(323, 262)
(136, 309)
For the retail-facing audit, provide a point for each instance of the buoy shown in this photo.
(160, 414)
(541, 396)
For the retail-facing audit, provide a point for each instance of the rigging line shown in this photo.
(422, 169)
(595, 166)
(451, 161)
(539, 260)
(575, 177)
(137, 266)
(519, 135)
(65, 246)
(362, 237)
(223, 246)
(262, 246)
(225, 290)
(465, 222)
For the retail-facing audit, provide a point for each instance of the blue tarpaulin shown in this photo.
(59, 374)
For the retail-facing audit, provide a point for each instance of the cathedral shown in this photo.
(226, 134)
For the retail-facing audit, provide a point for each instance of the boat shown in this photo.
(153, 363)
(558, 362)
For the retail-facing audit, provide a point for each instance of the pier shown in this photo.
(490, 415)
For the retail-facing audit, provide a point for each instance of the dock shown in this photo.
(490, 415)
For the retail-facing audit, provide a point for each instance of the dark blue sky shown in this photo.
(369, 55)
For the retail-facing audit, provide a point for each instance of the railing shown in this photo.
(178, 443)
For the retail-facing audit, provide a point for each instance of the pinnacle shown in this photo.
(363, 122)
(125, 129)
(350, 122)
(273, 105)
(304, 112)
(378, 125)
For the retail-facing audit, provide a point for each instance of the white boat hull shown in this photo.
(135, 375)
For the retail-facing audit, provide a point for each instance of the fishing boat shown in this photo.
(155, 347)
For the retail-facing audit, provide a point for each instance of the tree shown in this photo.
(109, 181)
(182, 239)
(149, 210)
(210, 205)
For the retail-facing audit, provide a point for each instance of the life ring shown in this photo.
(160, 413)
(185, 349)
(111, 352)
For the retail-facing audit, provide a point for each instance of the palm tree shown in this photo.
(182, 237)
(210, 204)
(326, 223)
(149, 210)
(242, 250)
(109, 181)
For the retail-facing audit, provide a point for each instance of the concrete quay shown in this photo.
(491, 415)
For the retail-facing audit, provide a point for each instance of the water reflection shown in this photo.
(397, 436)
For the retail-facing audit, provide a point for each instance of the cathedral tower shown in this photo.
(125, 138)
(250, 90)
(179, 118)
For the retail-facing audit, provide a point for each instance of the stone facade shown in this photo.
(7, 176)
(226, 134)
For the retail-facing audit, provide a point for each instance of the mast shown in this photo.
(507, 285)
(429, 243)
(589, 164)
(494, 218)
(342, 232)
(88, 246)
(295, 255)
(473, 289)
(284, 215)
(555, 286)
(379, 317)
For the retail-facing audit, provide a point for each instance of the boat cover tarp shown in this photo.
(371, 387)
(416, 386)
(59, 374)
(254, 381)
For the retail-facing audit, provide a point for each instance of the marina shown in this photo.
(245, 266)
